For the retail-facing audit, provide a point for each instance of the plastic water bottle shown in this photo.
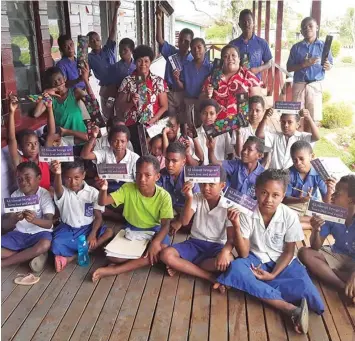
(83, 251)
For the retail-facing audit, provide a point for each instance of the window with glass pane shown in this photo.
(56, 26)
(24, 49)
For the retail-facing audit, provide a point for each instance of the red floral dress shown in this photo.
(154, 85)
(225, 94)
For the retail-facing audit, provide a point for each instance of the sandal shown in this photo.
(37, 264)
(28, 279)
(60, 263)
(300, 317)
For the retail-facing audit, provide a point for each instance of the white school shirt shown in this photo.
(66, 141)
(77, 209)
(46, 206)
(106, 155)
(102, 142)
(209, 225)
(245, 133)
(281, 156)
(222, 149)
(268, 243)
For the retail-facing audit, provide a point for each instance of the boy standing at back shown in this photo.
(305, 62)
(147, 207)
(281, 143)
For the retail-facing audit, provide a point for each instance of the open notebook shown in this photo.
(121, 247)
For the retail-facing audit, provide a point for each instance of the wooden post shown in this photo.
(260, 7)
(278, 75)
(316, 12)
(267, 22)
(254, 10)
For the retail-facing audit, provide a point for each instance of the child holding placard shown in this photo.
(265, 242)
(335, 264)
(209, 248)
(80, 213)
(26, 142)
(147, 207)
(242, 173)
(29, 233)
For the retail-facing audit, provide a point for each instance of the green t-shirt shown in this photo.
(141, 211)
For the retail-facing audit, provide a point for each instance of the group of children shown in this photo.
(158, 199)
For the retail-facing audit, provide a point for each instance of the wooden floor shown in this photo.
(149, 305)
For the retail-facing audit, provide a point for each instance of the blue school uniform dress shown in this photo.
(258, 50)
(70, 70)
(266, 246)
(238, 177)
(27, 234)
(344, 237)
(193, 77)
(166, 51)
(174, 188)
(208, 231)
(313, 179)
(77, 215)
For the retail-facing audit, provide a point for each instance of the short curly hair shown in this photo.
(29, 165)
(148, 159)
(281, 175)
(143, 51)
(227, 47)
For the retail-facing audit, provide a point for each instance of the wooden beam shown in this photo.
(267, 21)
(278, 75)
(260, 7)
(316, 12)
(254, 9)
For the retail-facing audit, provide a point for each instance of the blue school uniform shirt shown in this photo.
(70, 70)
(297, 55)
(257, 49)
(175, 188)
(344, 237)
(238, 177)
(166, 51)
(193, 78)
(313, 179)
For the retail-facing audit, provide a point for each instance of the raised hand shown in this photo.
(316, 222)
(102, 184)
(56, 167)
(13, 102)
(187, 189)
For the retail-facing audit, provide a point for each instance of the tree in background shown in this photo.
(347, 28)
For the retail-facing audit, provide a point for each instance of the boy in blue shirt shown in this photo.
(175, 95)
(242, 173)
(305, 62)
(335, 264)
(172, 179)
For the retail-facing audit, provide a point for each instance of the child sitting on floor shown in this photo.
(335, 264)
(172, 179)
(280, 143)
(28, 145)
(242, 173)
(156, 149)
(305, 181)
(223, 148)
(118, 138)
(30, 233)
(209, 249)
(79, 211)
(265, 242)
(147, 207)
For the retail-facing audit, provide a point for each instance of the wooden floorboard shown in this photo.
(149, 305)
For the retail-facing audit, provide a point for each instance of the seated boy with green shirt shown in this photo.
(147, 207)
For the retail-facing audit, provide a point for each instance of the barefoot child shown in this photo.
(335, 264)
(209, 249)
(281, 143)
(242, 173)
(27, 143)
(265, 242)
(172, 179)
(79, 211)
(29, 233)
(147, 207)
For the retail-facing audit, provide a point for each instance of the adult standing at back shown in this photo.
(175, 94)
(305, 62)
(103, 62)
(254, 51)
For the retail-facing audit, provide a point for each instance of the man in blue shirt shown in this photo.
(103, 62)
(175, 95)
(305, 62)
(254, 51)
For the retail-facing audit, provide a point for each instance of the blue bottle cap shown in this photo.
(82, 238)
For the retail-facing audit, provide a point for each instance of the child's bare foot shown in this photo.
(222, 288)
(110, 270)
(171, 271)
(60, 262)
